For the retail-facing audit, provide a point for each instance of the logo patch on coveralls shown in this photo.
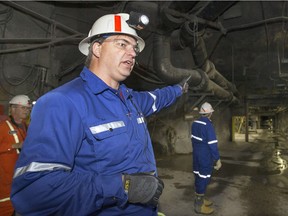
(12, 132)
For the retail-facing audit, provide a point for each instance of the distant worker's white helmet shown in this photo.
(206, 108)
(22, 100)
(114, 24)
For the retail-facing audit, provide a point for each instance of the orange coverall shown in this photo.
(8, 158)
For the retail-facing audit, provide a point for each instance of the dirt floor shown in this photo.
(253, 180)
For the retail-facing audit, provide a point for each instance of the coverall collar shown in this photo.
(97, 86)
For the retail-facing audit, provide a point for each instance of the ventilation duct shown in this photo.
(171, 75)
(188, 37)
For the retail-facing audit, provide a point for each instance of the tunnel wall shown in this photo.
(282, 119)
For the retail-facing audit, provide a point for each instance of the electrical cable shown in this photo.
(22, 80)
(70, 69)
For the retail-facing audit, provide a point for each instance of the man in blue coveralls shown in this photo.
(205, 155)
(88, 150)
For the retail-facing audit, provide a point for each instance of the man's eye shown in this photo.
(122, 44)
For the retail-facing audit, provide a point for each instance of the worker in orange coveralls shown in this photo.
(12, 134)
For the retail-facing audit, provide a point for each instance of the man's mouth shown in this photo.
(128, 62)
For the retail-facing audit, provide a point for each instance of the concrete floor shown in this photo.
(251, 182)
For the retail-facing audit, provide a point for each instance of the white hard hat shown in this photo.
(206, 108)
(22, 100)
(110, 24)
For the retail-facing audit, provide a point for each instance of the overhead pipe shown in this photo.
(171, 75)
(38, 46)
(187, 37)
(167, 72)
(171, 18)
(40, 40)
(205, 13)
(173, 14)
(200, 55)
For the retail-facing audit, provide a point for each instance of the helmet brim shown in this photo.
(206, 112)
(85, 43)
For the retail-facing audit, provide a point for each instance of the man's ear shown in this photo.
(96, 49)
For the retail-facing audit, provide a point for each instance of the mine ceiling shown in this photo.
(235, 51)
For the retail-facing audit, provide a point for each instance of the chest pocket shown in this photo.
(106, 129)
(111, 144)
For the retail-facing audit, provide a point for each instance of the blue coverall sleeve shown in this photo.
(153, 101)
(213, 142)
(44, 179)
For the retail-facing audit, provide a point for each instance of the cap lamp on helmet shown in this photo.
(137, 21)
(113, 24)
(22, 100)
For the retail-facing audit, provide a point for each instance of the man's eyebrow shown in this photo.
(136, 44)
(133, 44)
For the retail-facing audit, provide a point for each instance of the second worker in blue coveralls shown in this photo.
(88, 150)
(205, 155)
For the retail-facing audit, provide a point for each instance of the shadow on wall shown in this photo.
(170, 136)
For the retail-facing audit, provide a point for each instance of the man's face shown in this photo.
(210, 115)
(117, 55)
(20, 112)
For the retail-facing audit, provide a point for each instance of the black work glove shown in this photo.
(184, 84)
(143, 188)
